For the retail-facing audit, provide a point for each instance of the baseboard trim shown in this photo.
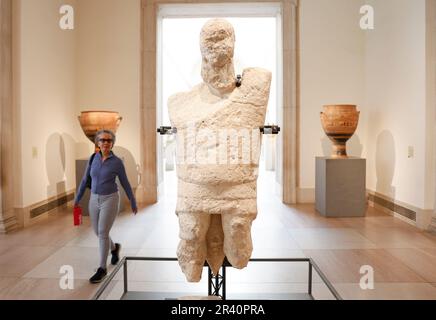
(415, 216)
(392, 205)
(36, 212)
(8, 224)
(50, 205)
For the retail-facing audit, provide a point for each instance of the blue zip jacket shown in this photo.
(103, 176)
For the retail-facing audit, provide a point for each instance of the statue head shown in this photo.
(217, 42)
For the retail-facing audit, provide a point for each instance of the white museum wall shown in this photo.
(108, 72)
(331, 72)
(395, 86)
(46, 99)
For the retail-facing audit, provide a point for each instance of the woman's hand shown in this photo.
(135, 210)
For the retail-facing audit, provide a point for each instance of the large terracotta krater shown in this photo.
(93, 121)
(339, 123)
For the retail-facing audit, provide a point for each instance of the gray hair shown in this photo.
(100, 132)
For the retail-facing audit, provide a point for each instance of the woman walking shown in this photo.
(104, 201)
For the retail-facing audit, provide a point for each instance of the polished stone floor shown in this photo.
(402, 257)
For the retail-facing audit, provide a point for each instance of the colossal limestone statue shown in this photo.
(218, 149)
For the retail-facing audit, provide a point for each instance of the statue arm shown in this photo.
(255, 88)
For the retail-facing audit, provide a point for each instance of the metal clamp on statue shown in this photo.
(165, 130)
(270, 129)
(238, 81)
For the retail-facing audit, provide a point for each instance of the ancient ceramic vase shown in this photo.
(93, 121)
(339, 123)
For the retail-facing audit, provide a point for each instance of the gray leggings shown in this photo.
(103, 210)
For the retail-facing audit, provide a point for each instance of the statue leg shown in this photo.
(237, 238)
(215, 241)
(192, 248)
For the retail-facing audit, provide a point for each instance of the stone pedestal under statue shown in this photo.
(340, 189)
(80, 171)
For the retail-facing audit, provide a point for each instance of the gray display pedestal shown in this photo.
(80, 171)
(340, 187)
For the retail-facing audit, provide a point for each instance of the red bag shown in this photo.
(77, 213)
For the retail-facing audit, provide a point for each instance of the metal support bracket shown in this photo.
(269, 129)
(164, 130)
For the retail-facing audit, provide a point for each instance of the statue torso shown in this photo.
(206, 124)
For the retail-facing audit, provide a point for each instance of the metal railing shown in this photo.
(217, 283)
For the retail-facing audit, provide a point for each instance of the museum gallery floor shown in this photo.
(403, 258)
